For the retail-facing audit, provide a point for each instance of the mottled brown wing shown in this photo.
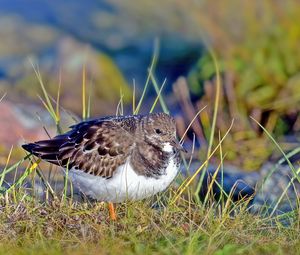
(95, 147)
(102, 149)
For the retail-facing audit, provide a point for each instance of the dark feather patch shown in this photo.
(90, 146)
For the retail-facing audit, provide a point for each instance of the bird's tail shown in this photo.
(48, 150)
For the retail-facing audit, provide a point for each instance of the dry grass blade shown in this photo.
(2, 97)
(191, 123)
(213, 180)
(192, 153)
(120, 105)
(182, 189)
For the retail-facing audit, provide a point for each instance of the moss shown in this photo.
(258, 56)
(112, 83)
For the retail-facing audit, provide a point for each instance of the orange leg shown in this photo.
(112, 212)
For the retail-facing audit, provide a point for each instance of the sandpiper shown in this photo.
(118, 157)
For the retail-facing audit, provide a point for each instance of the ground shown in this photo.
(183, 227)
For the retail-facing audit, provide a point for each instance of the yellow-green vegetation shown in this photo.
(259, 61)
(112, 83)
(30, 227)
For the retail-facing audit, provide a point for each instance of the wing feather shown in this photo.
(95, 147)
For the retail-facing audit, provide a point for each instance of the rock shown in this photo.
(104, 81)
(59, 58)
(20, 123)
(265, 188)
(15, 128)
(67, 58)
(19, 41)
(124, 30)
(276, 194)
(240, 182)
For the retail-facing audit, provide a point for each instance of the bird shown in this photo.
(116, 158)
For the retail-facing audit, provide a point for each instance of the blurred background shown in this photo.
(256, 44)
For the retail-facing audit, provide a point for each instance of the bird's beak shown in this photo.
(178, 146)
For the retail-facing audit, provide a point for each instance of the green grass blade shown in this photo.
(45, 182)
(211, 184)
(22, 178)
(213, 126)
(83, 93)
(274, 168)
(157, 90)
(88, 114)
(45, 93)
(150, 71)
(284, 192)
(15, 166)
(52, 114)
(158, 97)
(133, 97)
(66, 179)
(279, 148)
(3, 174)
(58, 97)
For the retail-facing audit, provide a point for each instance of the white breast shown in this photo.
(125, 184)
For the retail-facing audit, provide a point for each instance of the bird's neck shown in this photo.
(149, 159)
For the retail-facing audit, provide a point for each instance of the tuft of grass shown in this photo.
(47, 100)
(184, 227)
(188, 181)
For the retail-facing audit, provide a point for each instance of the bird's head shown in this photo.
(160, 130)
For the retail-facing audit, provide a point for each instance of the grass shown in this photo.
(175, 222)
(183, 228)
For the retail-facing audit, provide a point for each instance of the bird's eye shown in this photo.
(158, 131)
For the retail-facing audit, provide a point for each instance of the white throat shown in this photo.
(167, 147)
